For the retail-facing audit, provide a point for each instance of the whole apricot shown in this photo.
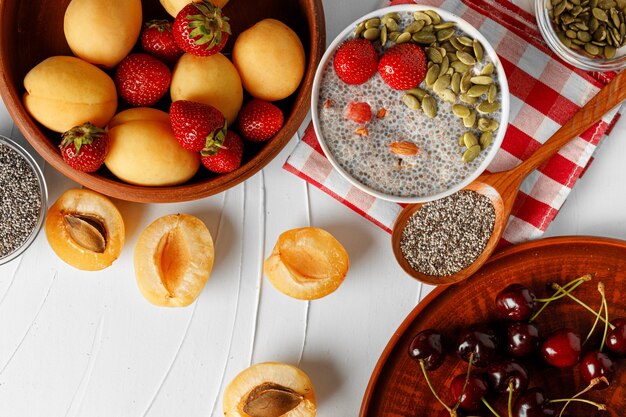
(211, 80)
(102, 31)
(85, 229)
(174, 6)
(270, 389)
(65, 91)
(173, 260)
(144, 151)
(270, 59)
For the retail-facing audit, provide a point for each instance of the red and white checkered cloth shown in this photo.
(545, 93)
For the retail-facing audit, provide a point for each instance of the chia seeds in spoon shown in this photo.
(447, 235)
(20, 200)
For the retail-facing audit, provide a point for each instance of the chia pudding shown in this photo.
(437, 167)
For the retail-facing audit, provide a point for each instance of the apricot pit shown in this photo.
(85, 230)
(270, 389)
(307, 263)
(173, 260)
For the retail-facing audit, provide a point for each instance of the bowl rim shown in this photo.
(115, 188)
(43, 188)
(463, 25)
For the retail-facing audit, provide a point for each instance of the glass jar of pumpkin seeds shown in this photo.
(588, 34)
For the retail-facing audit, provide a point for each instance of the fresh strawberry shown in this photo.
(224, 157)
(157, 39)
(142, 80)
(197, 126)
(403, 66)
(356, 61)
(359, 112)
(201, 29)
(260, 120)
(85, 147)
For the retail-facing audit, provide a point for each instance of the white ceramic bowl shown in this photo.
(346, 34)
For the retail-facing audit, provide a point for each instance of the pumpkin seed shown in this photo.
(455, 83)
(560, 8)
(359, 29)
(470, 120)
(429, 105)
(492, 94)
(418, 92)
(392, 25)
(487, 69)
(448, 47)
(477, 90)
(423, 16)
(424, 37)
(600, 14)
(478, 50)
(466, 82)
(393, 36)
(493, 125)
(615, 18)
(415, 26)
(600, 34)
(584, 36)
(462, 140)
(465, 41)
(483, 124)
(592, 49)
(442, 83)
(434, 55)
(460, 110)
(445, 25)
(411, 101)
(609, 52)
(465, 58)
(445, 34)
(436, 19)
(467, 99)
(459, 66)
(471, 154)
(486, 107)
(371, 34)
(482, 80)
(445, 65)
(403, 38)
(372, 23)
(432, 74)
(454, 41)
(469, 140)
(447, 95)
(571, 34)
(485, 140)
(383, 35)
(393, 15)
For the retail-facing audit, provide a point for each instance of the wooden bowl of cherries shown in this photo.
(159, 101)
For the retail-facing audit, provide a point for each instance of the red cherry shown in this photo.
(427, 346)
(596, 364)
(616, 339)
(561, 348)
(474, 391)
(533, 403)
(522, 339)
(516, 302)
(501, 374)
(482, 342)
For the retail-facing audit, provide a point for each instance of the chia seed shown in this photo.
(20, 200)
(447, 235)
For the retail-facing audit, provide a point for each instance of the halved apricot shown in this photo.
(307, 263)
(173, 260)
(270, 389)
(85, 229)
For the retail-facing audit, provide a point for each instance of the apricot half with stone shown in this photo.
(270, 389)
(173, 260)
(85, 230)
(307, 263)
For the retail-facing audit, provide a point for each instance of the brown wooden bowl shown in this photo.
(32, 31)
(397, 387)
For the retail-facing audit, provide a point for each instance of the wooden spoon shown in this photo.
(502, 187)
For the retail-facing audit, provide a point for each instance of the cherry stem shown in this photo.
(558, 287)
(566, 289)
(495, 413)
(467, 375)
(606, 313)
(510, 403)
(592, 383)
(598, 315)
(452, 412)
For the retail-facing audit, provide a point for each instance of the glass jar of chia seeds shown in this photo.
(23, 200)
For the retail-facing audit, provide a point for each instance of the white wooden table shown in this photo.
(88, 344)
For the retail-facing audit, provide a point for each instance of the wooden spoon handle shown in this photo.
(607, 99)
